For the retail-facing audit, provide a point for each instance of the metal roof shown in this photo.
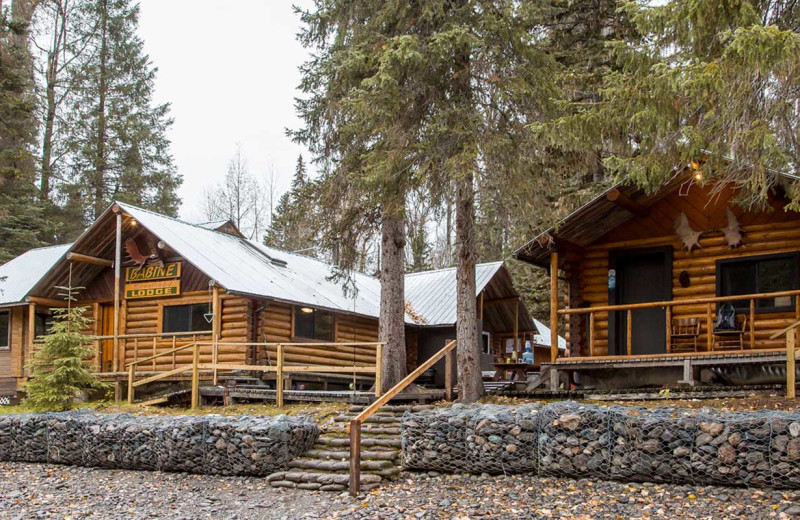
(432, 294)
(543, 338)
(248, 268)
(24, 271)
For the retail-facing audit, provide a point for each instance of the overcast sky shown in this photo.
(229, 69)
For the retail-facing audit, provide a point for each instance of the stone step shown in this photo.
(386, 454)
(357, 408)
(339, 465)
(320, 477)
(334, 440)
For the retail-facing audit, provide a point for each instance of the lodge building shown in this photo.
(152, 283)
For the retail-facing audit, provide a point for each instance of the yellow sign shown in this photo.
(152, 289)
(153, 272)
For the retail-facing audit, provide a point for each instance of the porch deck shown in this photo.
(714, 358)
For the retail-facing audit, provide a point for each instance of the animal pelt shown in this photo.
(688, 236)
(733, 232)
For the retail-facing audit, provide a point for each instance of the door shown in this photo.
(107, 329)
(642, 276)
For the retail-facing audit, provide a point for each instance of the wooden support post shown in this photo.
(196, 377)
(355, 457)
(279, 379)
(752, 323)
(117, 271)
(27, 352)
(709, 328)
(629, 334)
(553, 306)
(790, 363)
(668, 312)
(448, 376)
(215, 326)
(591, 334)
(131, 376)
(516, 326)
(174, 338)
(480, 308)
(378, 369)
(155, 350)
(77, 257)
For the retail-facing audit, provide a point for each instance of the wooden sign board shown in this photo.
(153, 272)
(152, 289)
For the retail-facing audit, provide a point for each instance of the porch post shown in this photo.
(215, 326)
(117, 270)
(27, 352)
(553, 306)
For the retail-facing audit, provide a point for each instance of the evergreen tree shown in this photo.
(22, 218)
(704, 82)
(293, 226)
(117, 140)
(59, 369)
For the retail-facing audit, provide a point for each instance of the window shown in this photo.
(186, 318)
(42, 322)
(5, 329)
(487, 343)
(759, 274)
(313, 324)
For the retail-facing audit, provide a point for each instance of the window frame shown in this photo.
(162, 307)
(792, 255)
(295, 337)
(7, 346)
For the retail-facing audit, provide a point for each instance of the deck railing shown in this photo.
(144, 343)
(791, 355)
(280, 368)
(669, 307)
(354, 426)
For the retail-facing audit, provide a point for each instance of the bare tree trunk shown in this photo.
(470, 381)
(51, 77)
(392, 317)
(100, 159)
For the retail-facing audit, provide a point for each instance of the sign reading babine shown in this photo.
(153, 289)
(153, 272)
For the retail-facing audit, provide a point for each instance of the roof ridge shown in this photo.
(180, 221)
(306, 257)
(441, 269)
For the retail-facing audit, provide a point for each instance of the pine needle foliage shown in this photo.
(59, 369)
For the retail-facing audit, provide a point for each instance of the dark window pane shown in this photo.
(775, 275)
(4, 336)
(186, 318)
(323, 325)
(739, 278)
(199, 321)
(760, 275)
(42, 323)
(304, 322)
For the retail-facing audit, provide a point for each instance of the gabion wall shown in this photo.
(210, 444)
(755, 449)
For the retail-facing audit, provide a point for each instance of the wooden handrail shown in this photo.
(273, 344)
(160, 354)
(154, 335)
(791, 356)
(786, 330)
(354, 426)
(677, 303)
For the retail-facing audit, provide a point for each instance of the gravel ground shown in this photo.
(49, 491)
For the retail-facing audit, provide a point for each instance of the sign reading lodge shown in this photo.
(153, 272)
(153, 289)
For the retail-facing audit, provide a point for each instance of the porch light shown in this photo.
(307, 310)
(134, 223)
(698, 175)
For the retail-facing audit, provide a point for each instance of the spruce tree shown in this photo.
(117, 142)
(59, 369)
(294, 222)
(707, 82)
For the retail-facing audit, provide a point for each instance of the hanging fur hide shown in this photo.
(688, 236)
(733, 232)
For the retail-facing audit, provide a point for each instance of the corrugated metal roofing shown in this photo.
(432, 294)
(543, 338)
(25, 271)
(246, 267)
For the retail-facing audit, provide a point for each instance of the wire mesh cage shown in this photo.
(574, 440)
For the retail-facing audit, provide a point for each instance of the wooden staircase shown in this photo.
(326, 465)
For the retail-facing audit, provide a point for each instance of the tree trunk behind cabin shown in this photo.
(100, 165)
(392, 328)
(470, 381)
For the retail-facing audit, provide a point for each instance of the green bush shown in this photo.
(59, 369)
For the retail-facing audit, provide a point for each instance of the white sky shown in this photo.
(230, 70)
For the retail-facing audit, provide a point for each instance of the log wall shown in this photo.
(765, 232)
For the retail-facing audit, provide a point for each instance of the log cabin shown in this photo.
(640, 280)
(152, 284)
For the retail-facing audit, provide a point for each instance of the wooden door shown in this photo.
(107, 329)
(642, 276)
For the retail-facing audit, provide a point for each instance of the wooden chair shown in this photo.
(731, 339)
(684, 335)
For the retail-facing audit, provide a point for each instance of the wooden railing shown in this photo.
(791, 355)
(142, 342)
(669, 307)
(354, 426)
(281, 369)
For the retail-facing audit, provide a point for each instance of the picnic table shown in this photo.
(518, 370)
